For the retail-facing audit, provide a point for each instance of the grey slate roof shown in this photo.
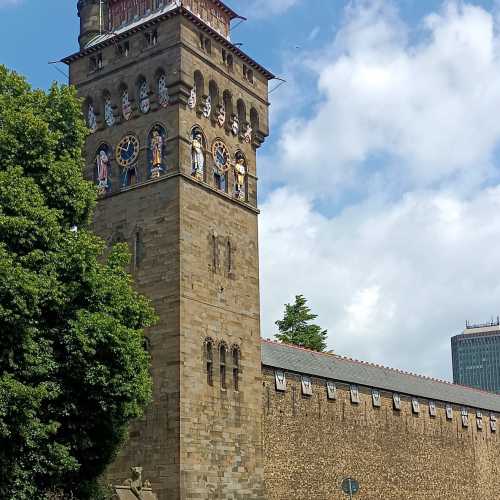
(332, 367)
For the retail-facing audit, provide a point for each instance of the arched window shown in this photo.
(143, 92)
(157, 140)
(242, 112)
(199, 84)
(209, 359)
(109, 115)
(213, 91)
(236, 368)
(222, 361)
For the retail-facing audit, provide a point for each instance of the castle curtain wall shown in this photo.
(311, 444)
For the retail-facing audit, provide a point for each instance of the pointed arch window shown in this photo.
(236, 368)
(222, 361)
(209, 359)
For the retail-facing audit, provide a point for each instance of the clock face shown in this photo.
(127, 151)
(220, 154)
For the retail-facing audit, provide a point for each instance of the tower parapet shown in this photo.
(93, 15)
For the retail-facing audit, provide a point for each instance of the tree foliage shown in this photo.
(73, 369)
(296, 327)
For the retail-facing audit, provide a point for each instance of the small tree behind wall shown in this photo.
(297, 328)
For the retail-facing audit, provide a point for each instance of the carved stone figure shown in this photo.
(192, 99)
(221, 115)
(103, 165)
(197, 156)
(235, 125)
(156, 153)
(207, 107)
(134, 488)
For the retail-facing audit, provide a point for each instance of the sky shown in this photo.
(380, 182)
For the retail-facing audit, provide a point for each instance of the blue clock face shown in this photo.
(127, 151)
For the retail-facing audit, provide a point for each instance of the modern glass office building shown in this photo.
(476, 356)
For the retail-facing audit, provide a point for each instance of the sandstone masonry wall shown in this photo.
(311, 444)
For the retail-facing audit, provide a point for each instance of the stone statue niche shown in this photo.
(134, 488)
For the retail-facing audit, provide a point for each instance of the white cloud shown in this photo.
(404, 133)
(428, 107)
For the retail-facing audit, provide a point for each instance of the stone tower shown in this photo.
(177, 113)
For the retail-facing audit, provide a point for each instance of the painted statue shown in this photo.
(157, 154)
(240, 172)
(221, 115)
(198, 156)
(192, 99)
(207, 107)
(103, 168)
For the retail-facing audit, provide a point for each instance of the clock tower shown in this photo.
(176, 113)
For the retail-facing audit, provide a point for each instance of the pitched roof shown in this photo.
(331, 366)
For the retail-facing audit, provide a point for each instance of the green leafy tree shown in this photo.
(296, 327)
(73, 368)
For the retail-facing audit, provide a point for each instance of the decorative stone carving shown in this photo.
(134, 488)
(192, 99)
(144, 102)
(126, 106)
(163, 96)
(247, 136)
(235, 125)
(207, 107)
(221, 115)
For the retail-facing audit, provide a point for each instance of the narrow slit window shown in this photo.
(306, 386)
(236, 369)
(222, 360)
(354, 394)
(280, 380)
(210, 362)
(377, 402)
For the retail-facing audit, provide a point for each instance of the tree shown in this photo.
(295, 328)
(73, 367)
